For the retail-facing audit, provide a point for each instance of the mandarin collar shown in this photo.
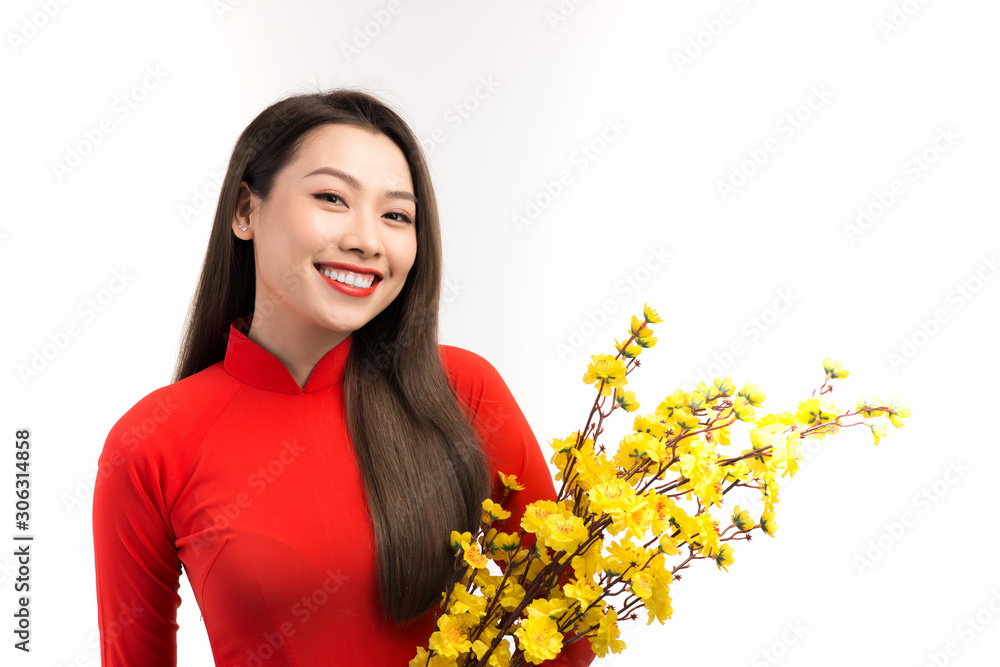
(251, 364)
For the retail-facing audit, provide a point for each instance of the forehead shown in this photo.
(369, 156)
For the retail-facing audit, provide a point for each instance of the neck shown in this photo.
(299, 350)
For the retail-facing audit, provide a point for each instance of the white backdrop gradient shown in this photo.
(581, 153)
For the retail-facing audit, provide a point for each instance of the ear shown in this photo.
(241, 218)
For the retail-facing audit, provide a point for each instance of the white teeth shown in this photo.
(349, 278)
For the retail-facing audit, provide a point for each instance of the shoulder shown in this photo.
(169, 422)
(466, 368)
(488, 401)
(475, 380)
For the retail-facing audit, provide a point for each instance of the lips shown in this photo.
(349, 274)
(342, 267)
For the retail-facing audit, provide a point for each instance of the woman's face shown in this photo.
(342, 210)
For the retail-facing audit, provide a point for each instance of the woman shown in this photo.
(317, 446)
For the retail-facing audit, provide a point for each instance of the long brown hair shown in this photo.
(424, 470)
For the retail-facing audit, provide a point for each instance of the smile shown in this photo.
(349, 278)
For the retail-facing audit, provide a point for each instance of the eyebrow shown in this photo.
(356, 184)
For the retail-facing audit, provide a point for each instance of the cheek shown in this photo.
(283, 262)
(407, 255)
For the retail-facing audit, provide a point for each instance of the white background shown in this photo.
(537, 299)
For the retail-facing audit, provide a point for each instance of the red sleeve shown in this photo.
(510, 441)
(138, 570)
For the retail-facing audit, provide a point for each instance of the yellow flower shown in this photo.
(457, 538)
(539, 638)
(606, 372)
(564, 444)
(500, 656)
(553, 609)
(638, 446)
(870, 407)
(493, 511)
(648, 424)
(626, 559)
(536, 513)
(449, 640)
(786, 451)
(627, 400)
(583, 591)
(899, 407)
(607, 636)
(629, 351)
(707, 537)
(650, 315)
(563, 532)
(686, 422)
(510, 482)
(671, 404)
(511, 595)
(768, 524)
(752, 394)
(590, 562)
(710, 393)
(668, 545)
(725, 387)
(661, 507)
(462, 602)
(639, 328)
(614, 496)
(724, 557)
(646, 341)
(641, 584)
(879, 427)
(742, 520)
(833, 370)
(507, 542)
(785, 418)
(816, 411)
(742, 409)
(473, 555)
(436, 660)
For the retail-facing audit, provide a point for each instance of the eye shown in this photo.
(324, 195)
(402, 216)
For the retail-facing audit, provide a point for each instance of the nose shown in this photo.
(361, 233)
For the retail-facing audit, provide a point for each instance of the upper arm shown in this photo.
(137, 567)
